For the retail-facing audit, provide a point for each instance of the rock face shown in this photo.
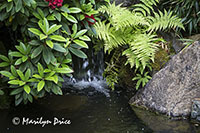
(172, 89)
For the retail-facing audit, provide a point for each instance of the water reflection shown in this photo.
(90, 114)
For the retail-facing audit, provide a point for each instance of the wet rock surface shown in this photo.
(195, 114)
(172, 89)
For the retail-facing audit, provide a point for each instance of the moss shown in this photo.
(161, 58)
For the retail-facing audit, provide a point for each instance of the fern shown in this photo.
(135, 30)
(146, 7)
(163, 21)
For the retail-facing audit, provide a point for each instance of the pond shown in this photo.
(89, 113)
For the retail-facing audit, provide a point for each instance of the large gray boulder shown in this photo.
(172, 89)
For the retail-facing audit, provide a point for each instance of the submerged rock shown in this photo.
(172, 89)
(195, 114)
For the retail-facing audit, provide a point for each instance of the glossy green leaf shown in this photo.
(15, 82)
(4, 64)
(85, 38)
(74, 10)
(4, 58)
(35, 76)
(53, 28)
(57, 15)
(46, 55)
(30, 98)
(40, 70)
(57, 38)
(17, 91)
(13, 71)
(70, 18)
(6, 73)
(49, 43)
(42, 36)
(27, 89)
(35, 31)
(80, 33)
(40, 12)
(36, 51)
(64, 70)
(78, 52)
(21, 75)
(27, 74)
(81, 43)
(18, 62)
(24, 58)
(40, 85)
(15, 54)
(59, 48)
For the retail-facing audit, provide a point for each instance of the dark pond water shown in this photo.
(88, 113)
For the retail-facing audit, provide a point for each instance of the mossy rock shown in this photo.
(161, 58)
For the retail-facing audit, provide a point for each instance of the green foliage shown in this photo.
(135, 31)
(141, 79)
(188, 10)
(1, 92)
(50, 37)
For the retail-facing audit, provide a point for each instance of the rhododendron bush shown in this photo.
(49, 33)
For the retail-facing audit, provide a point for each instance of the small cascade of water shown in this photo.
(88, 73)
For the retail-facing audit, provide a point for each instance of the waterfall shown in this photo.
(88, 73)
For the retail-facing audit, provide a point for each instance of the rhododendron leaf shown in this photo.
(74, 10)
(37, 15)
(42, 36)
(85, 38)
(4, 64)
(24, 58)
(13, 71)
(64, 70)
(40, 12)
(78, 52)
(46, 25)
(40, 70)
(15, 54)
(81, 43)
(46, 55)
(49, 43)
(21, 75)
(57, 38)
(80, 33)
(35, 31)
(57, 15)
(18, 62)
(4, 58)
(27, 74)
(27, 89)
(51, 17)
(40, 85)
(36, 52)
(59, 48)
(53, 28)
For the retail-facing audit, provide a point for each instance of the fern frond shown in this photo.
(103, 30)
(121, 17)
(163, 21)
(145, 7)
(113, 38)
(131, 58)
(142, 49)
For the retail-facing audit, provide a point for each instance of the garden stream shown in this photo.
(91, 108)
